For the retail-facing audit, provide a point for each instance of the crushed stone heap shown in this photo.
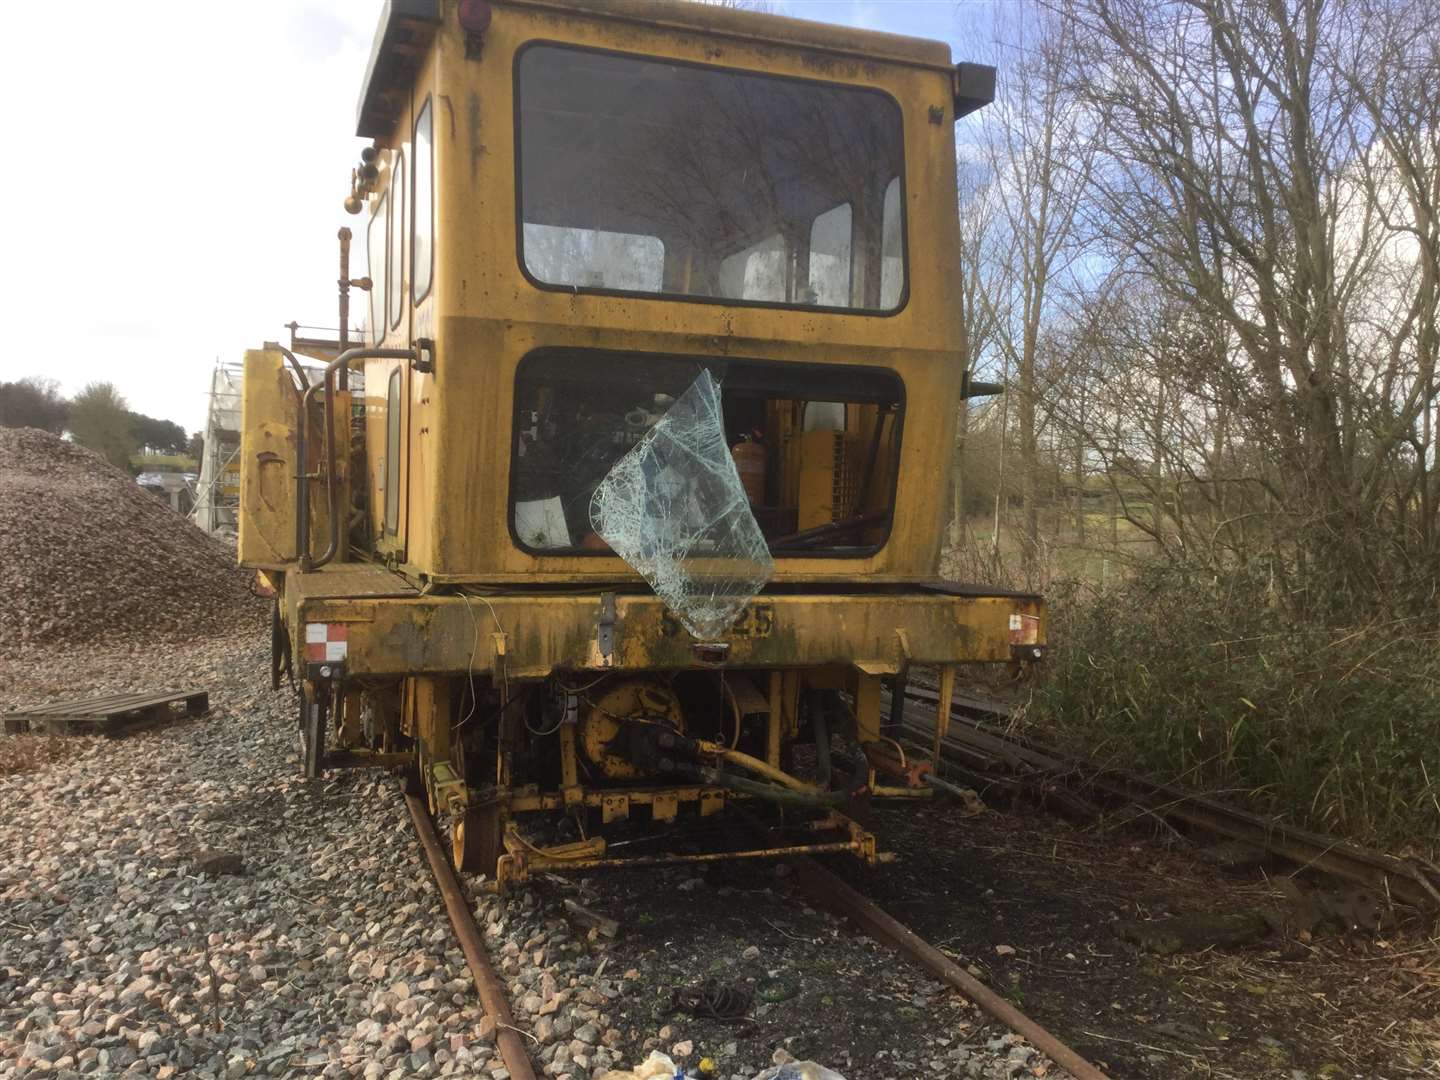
(87, 555)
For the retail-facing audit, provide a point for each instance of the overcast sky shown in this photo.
(179, 169)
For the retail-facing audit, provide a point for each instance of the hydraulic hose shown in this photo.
(765, 769)
(770, 792)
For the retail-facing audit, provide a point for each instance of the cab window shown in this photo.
(396, 288)
(375, 255)
(422, 245)
(716, 184)
(392, 454)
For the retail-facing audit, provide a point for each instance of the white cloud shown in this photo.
(177, 175)
(176, 187)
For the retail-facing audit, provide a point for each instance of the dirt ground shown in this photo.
(1028, 903)
(1338, 1005)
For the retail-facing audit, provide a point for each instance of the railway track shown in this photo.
(984, 755)
(822, 886)
(981, 755)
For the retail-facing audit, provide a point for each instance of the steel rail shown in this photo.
(827, 889)
(977, 748)
(492, 993)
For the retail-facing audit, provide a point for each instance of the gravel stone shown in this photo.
(86, 553)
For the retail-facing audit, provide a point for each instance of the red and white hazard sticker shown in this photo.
(326, 642)
(1024, 629)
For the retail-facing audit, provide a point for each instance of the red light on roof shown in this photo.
(474, 16)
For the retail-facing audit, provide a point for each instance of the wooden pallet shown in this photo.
(115, 715)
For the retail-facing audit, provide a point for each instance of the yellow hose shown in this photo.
(755, 765)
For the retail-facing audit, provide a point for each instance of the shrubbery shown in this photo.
(1202, 680)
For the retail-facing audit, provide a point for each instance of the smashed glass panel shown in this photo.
(675, 510)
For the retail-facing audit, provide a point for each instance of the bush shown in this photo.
(1183, 676)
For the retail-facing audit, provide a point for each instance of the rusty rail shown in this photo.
(492, 993)
(825, 888)
(978, 748)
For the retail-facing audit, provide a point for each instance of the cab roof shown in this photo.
(408, 26)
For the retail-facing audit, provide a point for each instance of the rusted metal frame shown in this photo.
(366, 759)
(492, 993)
(653, 19)
(539, 862)
(450, 646)
(531, 801)
(302, 517)
(1394, 877)
(825, 888)
(1405, 881)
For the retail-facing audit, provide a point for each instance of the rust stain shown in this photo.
(477, 148)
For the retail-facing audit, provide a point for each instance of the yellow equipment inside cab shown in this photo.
(576, 213)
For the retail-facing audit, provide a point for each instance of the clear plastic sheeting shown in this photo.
(675, 510)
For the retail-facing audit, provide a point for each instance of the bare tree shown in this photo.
(1038, 143)
(1255, 176)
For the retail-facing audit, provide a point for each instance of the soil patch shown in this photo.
(1029, 902)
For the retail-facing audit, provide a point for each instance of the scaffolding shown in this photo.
(217, 497)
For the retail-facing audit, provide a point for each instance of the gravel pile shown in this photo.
(85, 554)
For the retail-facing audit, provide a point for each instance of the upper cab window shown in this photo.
(648, 176)
(375, 237)
(396, 288)
(594, 258)
(422, 244)
(892, 252)
(830, 259)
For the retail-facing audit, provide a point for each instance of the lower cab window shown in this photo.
(816, 445)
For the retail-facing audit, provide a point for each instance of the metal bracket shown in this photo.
(605, 629)
(424, 361)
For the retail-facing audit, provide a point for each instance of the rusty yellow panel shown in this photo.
(546, 632)
(268, 461)
(432, 715)
(487, 316)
